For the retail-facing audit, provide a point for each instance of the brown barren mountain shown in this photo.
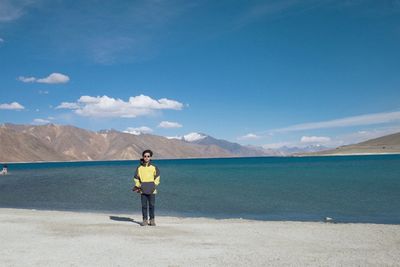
(31, 143)
(26, 143)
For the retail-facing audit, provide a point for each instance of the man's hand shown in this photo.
(137, 189)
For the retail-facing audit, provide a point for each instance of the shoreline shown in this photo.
(162, 159)
(37, 238)
(180, 217)
(189, 215)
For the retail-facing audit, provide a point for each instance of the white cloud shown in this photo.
(143, 101)
(139, 130)
(54, 78)
(191, 137)
(105, 106)
(40, 121)
(249, 136)
(26, 79)
(67, 105)
(12, 106)
(1, 40)
(367, 119)
(314, 139)
(169, 124)
(174, 137)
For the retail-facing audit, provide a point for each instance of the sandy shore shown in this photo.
(51, 238)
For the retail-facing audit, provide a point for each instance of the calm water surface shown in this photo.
(348, 188)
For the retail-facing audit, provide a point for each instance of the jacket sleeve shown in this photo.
(136, 178)
(157, 176)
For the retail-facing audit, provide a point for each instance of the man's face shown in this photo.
(146, 157)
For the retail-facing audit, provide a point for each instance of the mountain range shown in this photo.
(51, 142)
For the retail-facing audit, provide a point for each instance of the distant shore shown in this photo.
(344, 154)
(49, 238)
(288, 156)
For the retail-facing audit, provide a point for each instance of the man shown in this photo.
(147, 177)
(5, 170)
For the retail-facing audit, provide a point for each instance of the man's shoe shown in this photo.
(145, 223)
(152, 222)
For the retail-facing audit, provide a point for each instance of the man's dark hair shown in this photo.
(147, 151)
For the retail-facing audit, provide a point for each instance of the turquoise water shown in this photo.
(349, 188)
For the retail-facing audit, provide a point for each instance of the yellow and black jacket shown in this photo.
(147, 177)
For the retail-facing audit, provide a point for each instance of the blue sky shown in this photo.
(267, 73)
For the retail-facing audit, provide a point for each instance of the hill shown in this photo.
(234, 148)
(19, 143)
(381, 145)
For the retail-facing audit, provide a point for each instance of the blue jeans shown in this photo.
(150, 200)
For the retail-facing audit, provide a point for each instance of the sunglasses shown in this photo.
(146, 156)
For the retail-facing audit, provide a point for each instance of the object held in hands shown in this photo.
(137, 189)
